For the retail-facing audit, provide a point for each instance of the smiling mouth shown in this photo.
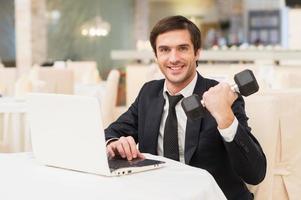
(175, 68)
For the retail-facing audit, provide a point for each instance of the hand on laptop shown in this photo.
(125, 147)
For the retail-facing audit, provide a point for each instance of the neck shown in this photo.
(175, 88)
(173, 91)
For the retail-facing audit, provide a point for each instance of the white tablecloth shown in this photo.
(12, 105)
(14, 131)
(21, 177)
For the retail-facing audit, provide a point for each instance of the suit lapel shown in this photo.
(193, 126)
(154, 116)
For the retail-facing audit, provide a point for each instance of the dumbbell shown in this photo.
(245, 84)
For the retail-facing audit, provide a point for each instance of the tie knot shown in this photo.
(173, 100)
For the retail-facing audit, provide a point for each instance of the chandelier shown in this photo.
(95, 27)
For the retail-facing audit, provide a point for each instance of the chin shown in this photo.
(176, 80)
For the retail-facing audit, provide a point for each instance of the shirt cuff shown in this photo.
(229, 133)
(111, 140)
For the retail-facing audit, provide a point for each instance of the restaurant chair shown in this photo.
(263, 114)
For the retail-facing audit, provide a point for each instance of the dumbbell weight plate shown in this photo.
(193, 107)
(246, 82)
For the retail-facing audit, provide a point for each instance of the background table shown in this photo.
(23, 178)
(14, 131)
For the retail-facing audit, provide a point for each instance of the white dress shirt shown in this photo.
(227, 133)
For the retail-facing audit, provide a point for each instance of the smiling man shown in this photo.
(221, 142)
(176, 58)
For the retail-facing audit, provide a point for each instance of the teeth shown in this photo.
(175, 68)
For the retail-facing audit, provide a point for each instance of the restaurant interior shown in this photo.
(101, 49)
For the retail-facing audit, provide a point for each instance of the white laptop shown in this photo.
(67, 132)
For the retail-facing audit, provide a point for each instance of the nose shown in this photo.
(174, 57)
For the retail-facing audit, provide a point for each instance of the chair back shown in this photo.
(59, 81)
(109, 98)
(85, 72)
(264, 121)
(8, 77)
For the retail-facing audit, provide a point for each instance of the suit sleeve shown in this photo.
(125, 125)
(245, 152)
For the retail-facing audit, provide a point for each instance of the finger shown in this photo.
(110, 152)
(111, 146)
(205, 95)
(126, 148)
(216, 87)
(204, 98)
(133, 146)
(203, 103)
(224, 85)
(139, 154)
(120, 150)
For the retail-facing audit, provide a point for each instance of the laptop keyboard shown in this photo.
(118, 162)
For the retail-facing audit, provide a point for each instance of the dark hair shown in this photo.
(176, 23)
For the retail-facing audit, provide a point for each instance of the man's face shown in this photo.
(176, 58)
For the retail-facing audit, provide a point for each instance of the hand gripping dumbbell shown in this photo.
(245, 84)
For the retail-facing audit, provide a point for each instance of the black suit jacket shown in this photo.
(230, 163)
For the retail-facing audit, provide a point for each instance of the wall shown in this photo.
(7, 31)
(266, 5)
(205, 9)
(38, 31)
(66, 42)
(263, 4)
(207, 14)
(294, 28)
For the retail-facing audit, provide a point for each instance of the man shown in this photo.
(220, 143)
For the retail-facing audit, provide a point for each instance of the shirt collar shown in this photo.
(187, 91)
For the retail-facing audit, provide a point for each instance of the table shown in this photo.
(23, 178)
(14, 132)
(12, 105)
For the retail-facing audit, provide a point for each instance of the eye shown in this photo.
(164, 49)
(183, 48)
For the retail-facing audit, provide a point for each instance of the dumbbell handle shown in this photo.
(233, 87)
